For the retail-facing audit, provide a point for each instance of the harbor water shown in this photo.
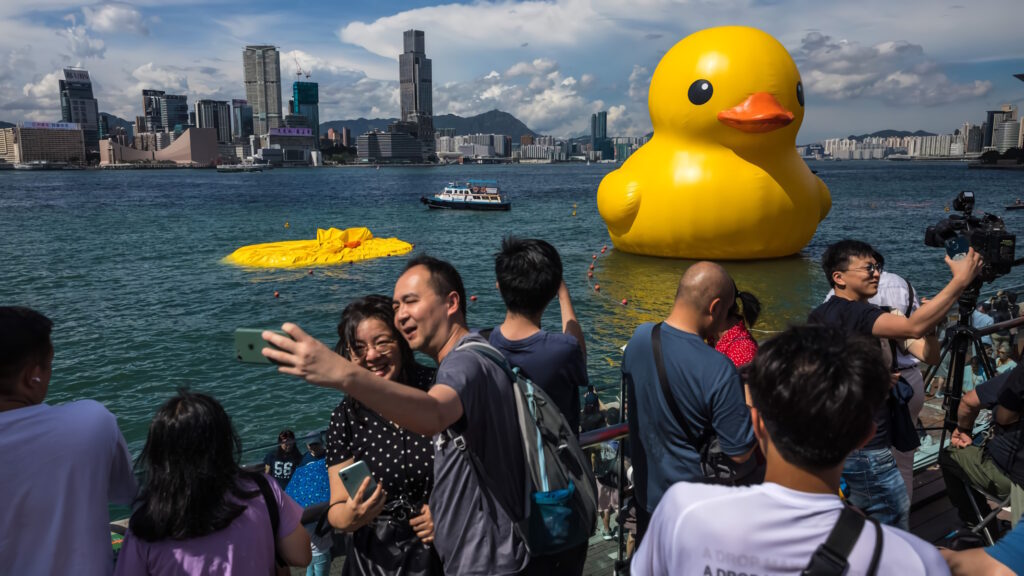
(128, 265)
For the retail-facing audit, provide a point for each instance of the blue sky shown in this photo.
(866, 65)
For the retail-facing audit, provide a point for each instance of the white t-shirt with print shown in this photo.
(702, 529)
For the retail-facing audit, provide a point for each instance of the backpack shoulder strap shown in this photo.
(832, 557)
(271, 502)
(666, 390)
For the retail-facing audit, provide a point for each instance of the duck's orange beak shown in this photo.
(759, 113)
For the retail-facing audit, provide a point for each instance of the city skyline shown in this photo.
(866, 67)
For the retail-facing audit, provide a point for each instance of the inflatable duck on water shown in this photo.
(720, 179)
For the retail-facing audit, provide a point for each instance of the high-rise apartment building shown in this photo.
(306, 102)
(262, 67)
(215, 114)
(416, 89)
(241, 120)
(78, 105)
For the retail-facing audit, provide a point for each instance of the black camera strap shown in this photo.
(666, 390)
(832, 557)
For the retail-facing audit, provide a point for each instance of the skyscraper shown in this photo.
(241, 120)
(215, 114)
(174, 112)
(306, 102)
(416, 89)
(151, 111)
(599, 141)
(78, 105)
(263, 86)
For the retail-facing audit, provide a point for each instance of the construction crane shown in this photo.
(299, 72)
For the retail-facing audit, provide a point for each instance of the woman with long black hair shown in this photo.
(198, 511)
(392, 529)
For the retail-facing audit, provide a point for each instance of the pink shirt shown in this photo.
(245, 547)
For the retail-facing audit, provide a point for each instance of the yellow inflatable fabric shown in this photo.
(720, 178)
(331, 246)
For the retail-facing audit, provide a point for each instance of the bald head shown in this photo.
(702, 283)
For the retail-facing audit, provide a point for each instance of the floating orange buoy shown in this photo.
(595, 256)
(310, 272)
(597, 287)
(473, 297)
(591, 266)
(590, 274)
(623, 301)
(277, 294)
(603, 249)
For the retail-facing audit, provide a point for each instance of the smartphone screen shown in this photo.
(956, 246)
(249, 343)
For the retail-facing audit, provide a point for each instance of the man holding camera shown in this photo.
(851, 267)
(998, 466)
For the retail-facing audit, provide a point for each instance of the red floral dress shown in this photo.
(737, 344)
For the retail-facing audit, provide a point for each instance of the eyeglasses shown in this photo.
(870, 269)
(384, 347)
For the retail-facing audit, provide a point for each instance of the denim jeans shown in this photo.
(320, 566)
(876, 487)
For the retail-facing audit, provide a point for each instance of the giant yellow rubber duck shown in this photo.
(720, 178)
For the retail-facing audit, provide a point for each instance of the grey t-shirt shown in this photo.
(472, 531)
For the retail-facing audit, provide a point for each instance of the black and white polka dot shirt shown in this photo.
(402, 461)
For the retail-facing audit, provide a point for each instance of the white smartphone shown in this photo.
(352, 478)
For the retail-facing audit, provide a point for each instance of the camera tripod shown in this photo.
(958, 339)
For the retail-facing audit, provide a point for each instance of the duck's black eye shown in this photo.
(700, 92)
(800, 93)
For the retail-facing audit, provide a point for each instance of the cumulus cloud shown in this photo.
(46, 87)
(114, 17)
(537, 67)
(639, 83)
(896, 72)
(81, 45)
(149, 76)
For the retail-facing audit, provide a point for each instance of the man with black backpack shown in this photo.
(813, 390)
(681, 392)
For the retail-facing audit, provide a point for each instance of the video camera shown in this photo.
(987, 235)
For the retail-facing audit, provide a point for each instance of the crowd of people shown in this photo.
(777, 457)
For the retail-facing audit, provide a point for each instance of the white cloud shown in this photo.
(114, 17)
(81, 45)
(46, 87)
(149, 76)
(537, 67)
(493, 75)
(895, 72)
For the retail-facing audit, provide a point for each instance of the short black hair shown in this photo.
(529, 272)
(24, 340)
(817, 389)
(837, 256)
(444, 278)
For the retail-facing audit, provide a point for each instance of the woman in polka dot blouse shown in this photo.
(392, 529)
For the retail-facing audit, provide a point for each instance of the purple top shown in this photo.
(245, 547)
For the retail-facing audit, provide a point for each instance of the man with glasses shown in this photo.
(852, 269)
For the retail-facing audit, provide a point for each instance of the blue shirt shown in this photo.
(1010, 549)
(708, 392)
(554, 362)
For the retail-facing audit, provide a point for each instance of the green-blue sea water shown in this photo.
(128, 265)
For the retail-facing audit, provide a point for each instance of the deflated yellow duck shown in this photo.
(720, 178)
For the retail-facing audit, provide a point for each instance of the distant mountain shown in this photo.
(114, 122)
(6, 125)
(493, 122)
(889, 134)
